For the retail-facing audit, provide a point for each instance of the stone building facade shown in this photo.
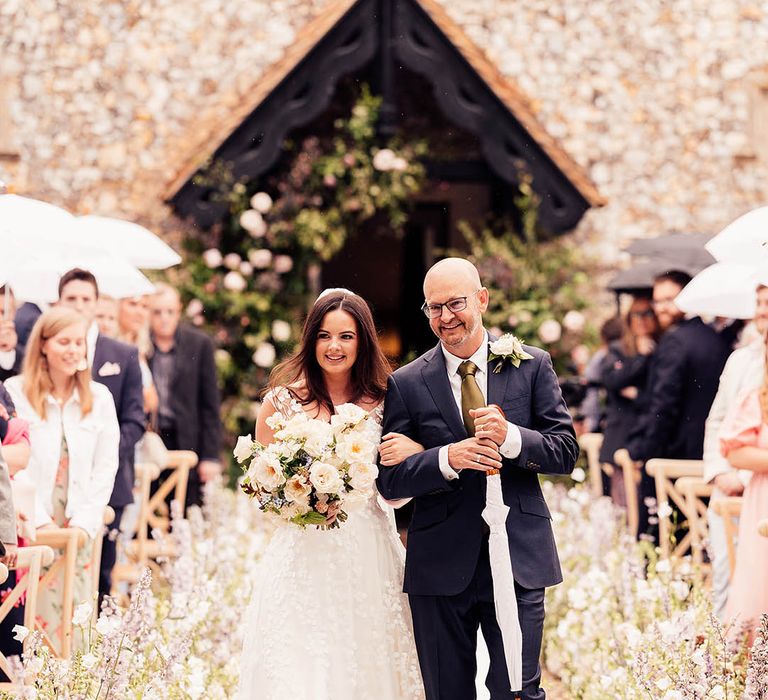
(663, 102)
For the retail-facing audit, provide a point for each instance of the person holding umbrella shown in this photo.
(491, 418)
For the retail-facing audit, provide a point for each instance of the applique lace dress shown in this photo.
(327, 617)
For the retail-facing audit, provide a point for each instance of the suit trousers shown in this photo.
(446, 628)
(109, 553)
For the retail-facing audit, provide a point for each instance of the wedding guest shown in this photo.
(592, 407)
(115, 365)
(11, 350)
(106, 316)
(74, 436)
(133, 322)
(743, 371)
(184, 371)
(15, 450)
(682, 384)
(7, 518)
(624, 374)
(744, 442)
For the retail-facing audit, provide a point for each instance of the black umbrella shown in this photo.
(683, 251)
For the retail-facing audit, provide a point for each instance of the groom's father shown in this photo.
(471, 421)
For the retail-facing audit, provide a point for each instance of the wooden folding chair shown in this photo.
(631, 471)
(591, 443)
(136, 551)
(729, 508)
(665, 473)
(69, 541)
(180, 462)
(31, 559)
(694, 491)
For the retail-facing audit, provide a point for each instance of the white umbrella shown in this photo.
(22, 217)
(744, 240)
(725, 289)
(504, 597)
(124, 239)
(35, 276)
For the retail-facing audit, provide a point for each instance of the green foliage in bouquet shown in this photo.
(539, 286)
(250, 280)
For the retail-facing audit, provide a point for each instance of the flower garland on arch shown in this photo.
(249, 280)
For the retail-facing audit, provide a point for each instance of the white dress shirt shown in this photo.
(513, 443)
(92, 442)
(90, 341)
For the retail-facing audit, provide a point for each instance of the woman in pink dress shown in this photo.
(744, 441)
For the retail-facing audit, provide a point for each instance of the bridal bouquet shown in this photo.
(313, 469)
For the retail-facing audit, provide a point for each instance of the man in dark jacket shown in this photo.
(116, 366)
(184, 373)
(11, 349)
(682, 384)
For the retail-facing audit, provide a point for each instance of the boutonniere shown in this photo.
(508, 348)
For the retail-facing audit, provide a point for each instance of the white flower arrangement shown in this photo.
(313, 468)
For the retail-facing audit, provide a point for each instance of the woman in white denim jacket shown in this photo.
(74, 436)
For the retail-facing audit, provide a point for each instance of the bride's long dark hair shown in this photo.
(369, 373)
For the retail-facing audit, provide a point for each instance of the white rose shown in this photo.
(348, 414)
(550, 331)
(265, 355)
(243, 448)
(82, 614)
(260, 258)
(665, 511)
(232, 261)
(506, 345)
(283, 264)
(297, 489)
(261, 202)
(267, 472)
(384, 159)
(234, 282)
(355, 448)
(281, 331)
(319, 438)
(253, 222)
(574, 321)
(212, 257)
(246, 268)
(362, 475)
(195, 308)
(325, 478)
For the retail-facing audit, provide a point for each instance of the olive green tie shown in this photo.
(471, 396)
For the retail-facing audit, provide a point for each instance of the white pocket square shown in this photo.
(109, 369)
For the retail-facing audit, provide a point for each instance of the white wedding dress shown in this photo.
(328, 619)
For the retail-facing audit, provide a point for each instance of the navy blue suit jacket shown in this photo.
(446, 531)
(126, 390)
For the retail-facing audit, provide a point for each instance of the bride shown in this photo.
(328, 618)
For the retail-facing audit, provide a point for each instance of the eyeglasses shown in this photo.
(646, 313)
(453, 305)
